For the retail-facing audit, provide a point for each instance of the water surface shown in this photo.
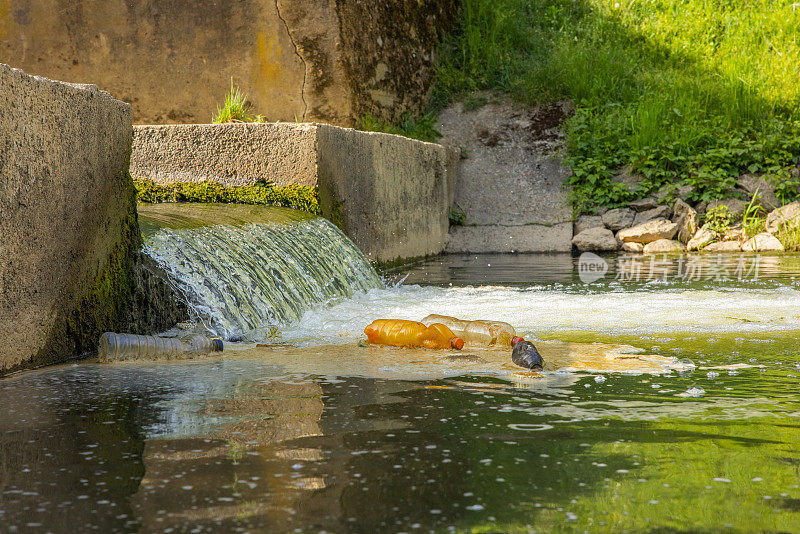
(339, 438)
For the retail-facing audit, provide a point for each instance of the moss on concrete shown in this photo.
(104, 306)
(300, 197)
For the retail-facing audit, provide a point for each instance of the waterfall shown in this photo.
(239, 279)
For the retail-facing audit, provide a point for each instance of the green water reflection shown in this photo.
(237, 446)
(245, 446)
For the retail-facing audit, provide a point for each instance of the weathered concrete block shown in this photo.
(390, 194)
(231, 154)
(68, 230)
(328, 60)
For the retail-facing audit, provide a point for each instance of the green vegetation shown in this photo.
(457, 217)
(754, 218)
(691, 92)
(421, 128)
(235, 108)
(290, 196)
(719, 219)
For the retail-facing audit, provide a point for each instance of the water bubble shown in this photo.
(475, 507)
(599, 379)
(712, 374)
(685, 364)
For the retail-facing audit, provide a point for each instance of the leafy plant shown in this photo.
(719, 219)
(457, 217)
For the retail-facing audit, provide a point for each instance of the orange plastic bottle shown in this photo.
(402, 333)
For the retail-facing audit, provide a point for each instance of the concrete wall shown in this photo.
(68, 230)
(231, 154)
(328, 60)
(390, 194)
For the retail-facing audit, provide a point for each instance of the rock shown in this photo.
(663, 246)
(788, 215)
(584, 222)
(795, 172)
(643, 204)
(619, 218)
(765, 189)
(735, 206)
(687, 219)
(763, 242)
(701, 238)
(724, 246)
(595, 239)
(679, 209)
(635, 248)
(649, 232)
(734, 233)
(628, 177)
(701, 207)
(684, 191)
(660, 212)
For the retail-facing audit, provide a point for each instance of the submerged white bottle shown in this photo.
(135, 347)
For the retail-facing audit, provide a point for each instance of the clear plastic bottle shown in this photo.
(120, 347)
(402, 333)
(477, 332)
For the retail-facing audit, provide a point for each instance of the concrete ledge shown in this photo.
(231, 154)
(390, 194)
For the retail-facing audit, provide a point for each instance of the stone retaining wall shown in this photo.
(69, 237)
(391, 195)
(328, 60)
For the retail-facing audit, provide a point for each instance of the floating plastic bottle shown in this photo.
(525, 355)
(478, 332)
(118, 347)
(402, 333)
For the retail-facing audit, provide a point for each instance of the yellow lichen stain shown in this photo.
(5, 18)
(268, 52)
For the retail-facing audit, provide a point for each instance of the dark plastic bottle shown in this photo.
(525, 355)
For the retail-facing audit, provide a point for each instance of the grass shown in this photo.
(234, 109)
(688, 92)
(421, 128)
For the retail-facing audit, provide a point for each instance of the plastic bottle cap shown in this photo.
(516, 340)
(457, 343)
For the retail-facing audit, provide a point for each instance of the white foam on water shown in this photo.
(539, 311)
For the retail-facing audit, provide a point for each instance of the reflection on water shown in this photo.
(339, 438)
(692, 270)
(250, 444)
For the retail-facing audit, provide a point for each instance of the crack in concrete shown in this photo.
(302, 60)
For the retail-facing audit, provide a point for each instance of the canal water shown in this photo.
(310, 432)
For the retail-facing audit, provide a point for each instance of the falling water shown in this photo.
(240, 279)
